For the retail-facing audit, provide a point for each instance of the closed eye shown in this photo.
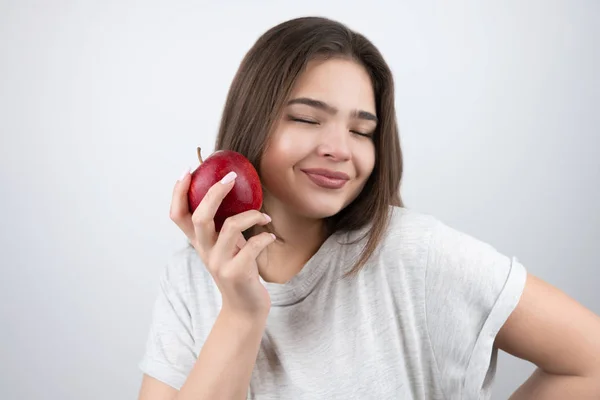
(306, 121)
(367, 135)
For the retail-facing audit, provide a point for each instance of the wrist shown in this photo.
(242, 321)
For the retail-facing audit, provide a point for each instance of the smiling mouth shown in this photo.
(327, 179)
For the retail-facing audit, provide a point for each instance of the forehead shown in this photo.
(342, 83)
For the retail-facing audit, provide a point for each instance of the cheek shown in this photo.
(365, 160)
(286, 148)
(278, 157)
(292, 144)
(283, 143)
(268, 163)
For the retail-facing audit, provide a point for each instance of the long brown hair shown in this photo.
(264, 82)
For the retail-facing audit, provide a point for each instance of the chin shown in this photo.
(309, 202)
(318, 207)
(320, 212)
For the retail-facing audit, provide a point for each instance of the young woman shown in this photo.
(356, 297)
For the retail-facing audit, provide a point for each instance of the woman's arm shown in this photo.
(224, 366)
(559, 336)
(226, 360)
(153, 389)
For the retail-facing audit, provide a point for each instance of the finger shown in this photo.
(233, 228)
(241, 242)
(253, 247)
(204, 215)
(179, 211)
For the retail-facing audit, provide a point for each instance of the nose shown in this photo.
(334, 144)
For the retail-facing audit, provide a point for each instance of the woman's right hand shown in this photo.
(230, 259)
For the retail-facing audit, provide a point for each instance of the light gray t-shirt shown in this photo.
(418, 322)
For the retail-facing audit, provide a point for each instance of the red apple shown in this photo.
(247, 190)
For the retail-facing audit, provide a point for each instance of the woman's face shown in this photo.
(321, 152)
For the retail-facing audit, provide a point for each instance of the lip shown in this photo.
(327, 179)
(327, 173)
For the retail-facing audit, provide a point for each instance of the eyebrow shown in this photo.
(321, 105)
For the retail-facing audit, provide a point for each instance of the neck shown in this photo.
(299, 238)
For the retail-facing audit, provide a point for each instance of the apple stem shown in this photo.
(199, 151)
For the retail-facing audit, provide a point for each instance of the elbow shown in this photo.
(595, 379)
(589, 381)
(593, 373)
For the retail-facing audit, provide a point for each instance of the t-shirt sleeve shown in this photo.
(169, 354)
(471, 289)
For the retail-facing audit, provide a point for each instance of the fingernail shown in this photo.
(230, 177)
(267, 217)
(184, 174)
(273, 236)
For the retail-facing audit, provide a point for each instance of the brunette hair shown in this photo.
(264, 82)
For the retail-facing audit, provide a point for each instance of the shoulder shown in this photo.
(403, 246)
(468, 290)
(185, 271)
(442, 241)
(409, 233)
(182, 261)
(446, 255)
(410, 223)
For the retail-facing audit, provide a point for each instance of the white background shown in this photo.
(102, 104)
